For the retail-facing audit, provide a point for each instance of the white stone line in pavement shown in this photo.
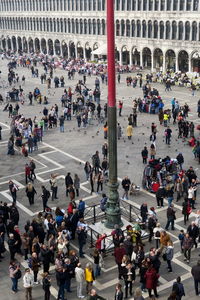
(5, 125)
(65, 153)
(50, 160)
(26, 210)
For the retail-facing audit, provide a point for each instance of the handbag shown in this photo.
(164, 256)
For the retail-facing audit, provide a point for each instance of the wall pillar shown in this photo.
(177, 66)
(164, 63)
(141, 59)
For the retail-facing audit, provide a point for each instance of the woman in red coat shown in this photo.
(151, 281)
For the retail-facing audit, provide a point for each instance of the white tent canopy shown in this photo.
(102, 50)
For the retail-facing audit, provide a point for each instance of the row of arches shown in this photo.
(74, 26)
(80, 5)
(169, 30)
(146, 57)
(52, 5)
(172, 30)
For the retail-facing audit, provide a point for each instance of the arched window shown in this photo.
(117, 28)
(155, 29)
(81, 26)
(174, 30)
(103, 4)
(123, 5)
(180, 30)
(139, 5)
(98, 27)
(85, 26)
(81, 5)
(76, 26)
(187, 31)
(150, 5)
(94, 5)
(69, 25)
(182, 4)
(89, 4)
(85, 5)
(51, 25)
(133, 4)
(73, 26)
(169, 3)
(117, 4)
(40, 24)
(167, 35)
(122, 28)
(162, 5)
(161, 30)
(156, 5)
(133, 28)
(44, 24)
(149, 29)
(144, 29)
(188, 5)
(138, 28)
(58, 25)
(61, 25)
(194, 31)
(196, 5)
(94, 25)
(128, 28)
(144, 5)
(47, 24)
(175, 5)
(89, 27)
(128, 7)
(103, 27)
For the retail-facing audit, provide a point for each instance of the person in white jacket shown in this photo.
(28, 283)
(80, 278)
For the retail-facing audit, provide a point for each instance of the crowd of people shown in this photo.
(46, 242)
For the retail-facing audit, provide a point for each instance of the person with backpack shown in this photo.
(15, 273)
(178, 288)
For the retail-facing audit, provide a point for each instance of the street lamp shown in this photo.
(113, 212)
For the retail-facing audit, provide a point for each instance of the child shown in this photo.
(181, 238)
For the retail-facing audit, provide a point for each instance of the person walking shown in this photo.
(187, 246)
(62, 121)
(13, 188)
(46, 284)
(80, 278)
(168, 134)
(28, 284)
(186, 210)
(169, 255)
(195, 271)
(193, 232)
(45, 197)
(30, 193)
(126, 186)
(129, 131)
(178, 288)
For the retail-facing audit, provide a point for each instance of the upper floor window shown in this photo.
(188, 5)
(156, 7)
(175, 5)
(162, 5)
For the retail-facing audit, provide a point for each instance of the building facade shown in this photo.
(158, 34)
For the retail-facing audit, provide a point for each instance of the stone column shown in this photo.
(152, 62)
(130, 58)
(141, 58)
(164, 66)
(120, 57)
(189, 64)
(177, 67)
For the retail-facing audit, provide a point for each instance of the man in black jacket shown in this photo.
(68, 182)
(193, 232)
(160, 194)
(60, 277)
(171, 217)
(196, 275)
